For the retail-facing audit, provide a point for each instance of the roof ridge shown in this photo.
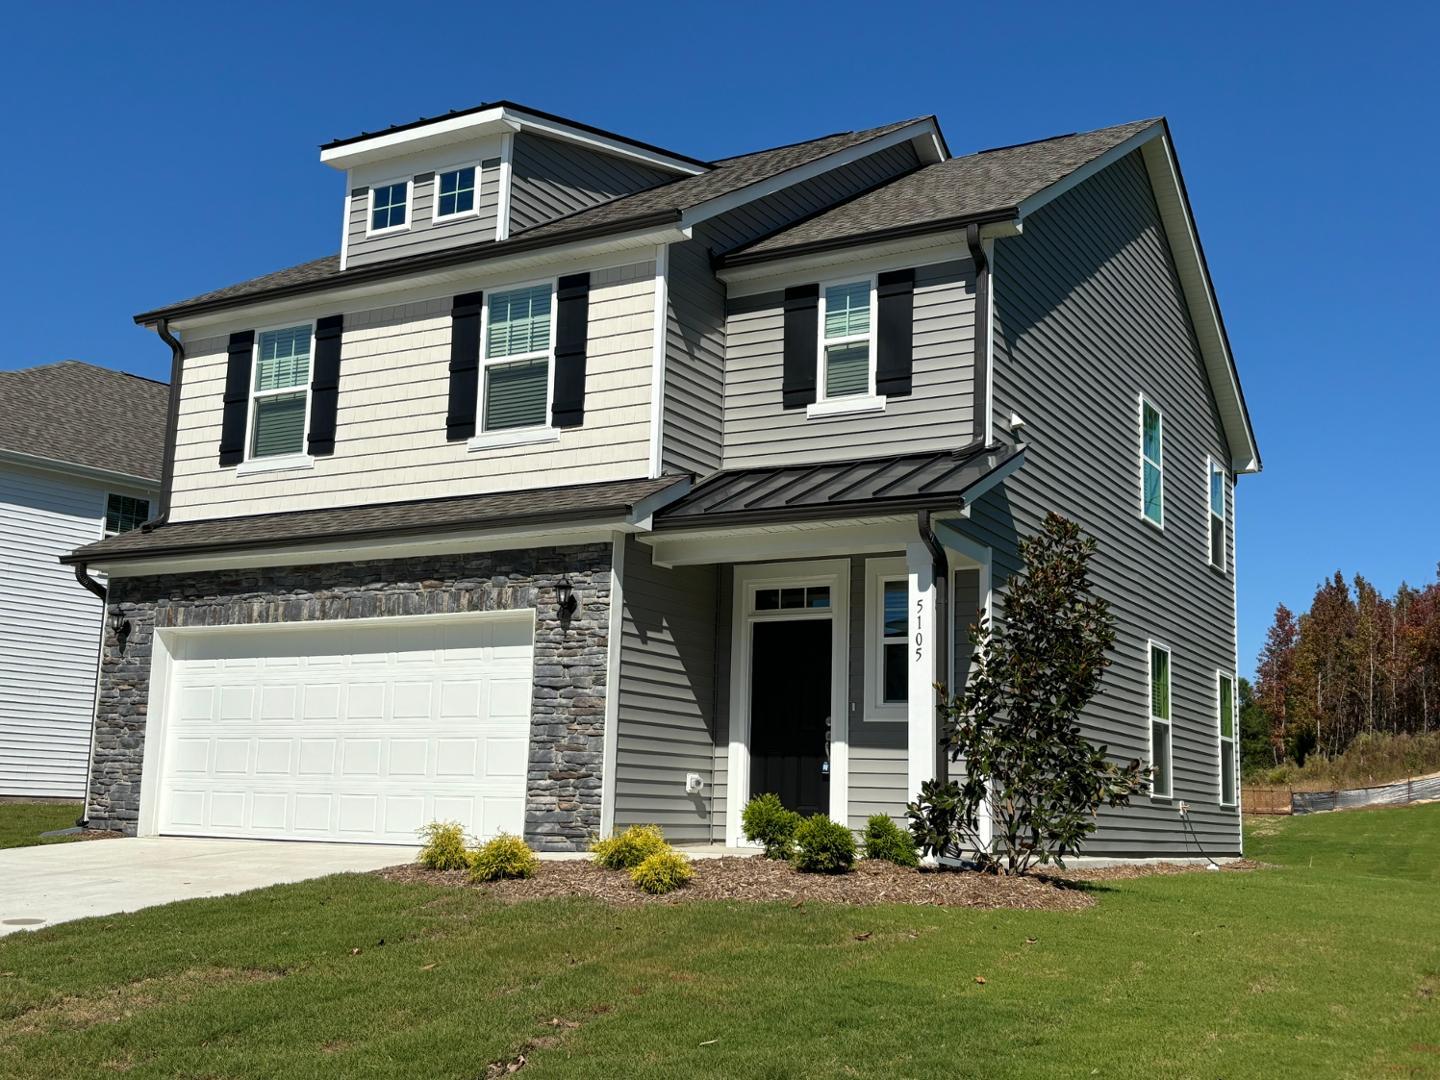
(1066, 135)
(820, 138)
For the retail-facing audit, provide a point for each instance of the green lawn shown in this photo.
(21, 823)
(1326, 967)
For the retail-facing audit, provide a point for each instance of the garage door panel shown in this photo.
(311, 740)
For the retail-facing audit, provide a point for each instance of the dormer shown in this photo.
(482, 174)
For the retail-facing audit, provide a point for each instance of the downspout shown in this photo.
(172, 421)
(981, 424)
(940, 571)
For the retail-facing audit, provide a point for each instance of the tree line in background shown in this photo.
(1357, 663)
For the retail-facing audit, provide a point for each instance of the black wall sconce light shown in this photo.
(120, 625)
(565, 593)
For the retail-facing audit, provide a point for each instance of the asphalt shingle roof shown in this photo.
(421, 516)
(989, 182)
(81, 414)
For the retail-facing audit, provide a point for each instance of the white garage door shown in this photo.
(356, 733)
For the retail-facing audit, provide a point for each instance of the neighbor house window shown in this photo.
(1228, 756)
(515, 389)
(388, 205)
(455, 192)
(887, 633)
(280, 391)
(1161, 780)
(1152, 478)
(847, 343)
(1217, 516)
(124, 512)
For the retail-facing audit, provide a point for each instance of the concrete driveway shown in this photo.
(41, 886)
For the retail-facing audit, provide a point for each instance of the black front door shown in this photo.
(790, 712)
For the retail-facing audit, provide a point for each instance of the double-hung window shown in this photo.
(887, 635)
(1229, 758)
(1161, 779)
(847, 341)
(455, 193)
(519, 340)
(1152, 476)
(389, 206)
(1217, 515)
(280, 392)
(124, 512)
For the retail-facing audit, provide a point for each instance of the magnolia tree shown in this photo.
(1015, 725)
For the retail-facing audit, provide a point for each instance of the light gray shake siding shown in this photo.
(549, 179)
(695, 351)
(1088, 316)
(424, 234)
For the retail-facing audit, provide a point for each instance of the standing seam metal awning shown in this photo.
(843, 488)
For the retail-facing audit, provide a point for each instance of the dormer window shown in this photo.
(455, 193)
(389, 206)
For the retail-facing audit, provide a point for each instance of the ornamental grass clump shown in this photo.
(630, 848)
(766, 821)
(505, 856)
(886, 841)
(444, 847)
(663, 872)
(823, 846)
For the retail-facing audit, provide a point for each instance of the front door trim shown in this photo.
(748, 578)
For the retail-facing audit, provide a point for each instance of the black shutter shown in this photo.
(572, 324)
(464, 365)
(325, 384)
(802, 310)
(237, 397)
(894, 332)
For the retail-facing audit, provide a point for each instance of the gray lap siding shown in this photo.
(563, 789)
(1088, 316)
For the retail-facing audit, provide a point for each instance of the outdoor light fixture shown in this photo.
(566, 594)
(121, 627)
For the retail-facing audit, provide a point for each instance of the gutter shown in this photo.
(898, 232)
(172, 421)
(980, 426)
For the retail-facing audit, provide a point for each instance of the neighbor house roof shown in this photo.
(78, 414)
(431, 518)
(988, 184)
(900, 483)
(653, 206)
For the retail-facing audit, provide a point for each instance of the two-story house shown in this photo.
(593, 484)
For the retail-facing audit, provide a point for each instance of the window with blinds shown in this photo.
(847, 343)
(280, 390)
(515, 390)
(1161, 780)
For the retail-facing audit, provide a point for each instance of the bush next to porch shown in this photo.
(629, 848)
(887, 841)
(505, 856)
(663, 872)
(823, 846)
(766, 821)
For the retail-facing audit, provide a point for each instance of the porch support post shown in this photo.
(924, 670)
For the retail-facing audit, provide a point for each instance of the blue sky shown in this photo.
(155, 151)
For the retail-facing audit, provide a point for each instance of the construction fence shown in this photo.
(1273, 800)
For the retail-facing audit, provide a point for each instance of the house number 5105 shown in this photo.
(919, 633)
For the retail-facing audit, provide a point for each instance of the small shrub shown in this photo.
(662, 872)
(766, 821)
(505, 856)
(630, 848)
(823, 846)
(444, 846)
(887, 841)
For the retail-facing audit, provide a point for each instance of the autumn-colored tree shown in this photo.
(1276, 683)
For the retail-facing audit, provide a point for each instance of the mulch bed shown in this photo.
(758, 879)
(1139, 870)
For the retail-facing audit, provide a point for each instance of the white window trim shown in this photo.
(437, 218)
(1151, 719)
(370, 230)
(519, 436)
(1142, 459)
(825, 405)
(1212, 467)
(1234, 740)
(877, 573)
(277, 462)
(105, 517)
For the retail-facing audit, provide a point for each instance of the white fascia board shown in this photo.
(722, 204)
(554, 129)
(744, 544)
(147, 485)
(596, 253)
(1089, 169)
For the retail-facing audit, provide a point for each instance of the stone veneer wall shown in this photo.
(567, 719)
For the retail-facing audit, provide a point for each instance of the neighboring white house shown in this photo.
(81, 449)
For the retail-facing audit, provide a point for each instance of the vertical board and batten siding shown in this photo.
(390, 440)
(695, 349)
(425, 234)
(1088, 315)
(666, 713)
(50, 636)
(550, 179)
(937, 415)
